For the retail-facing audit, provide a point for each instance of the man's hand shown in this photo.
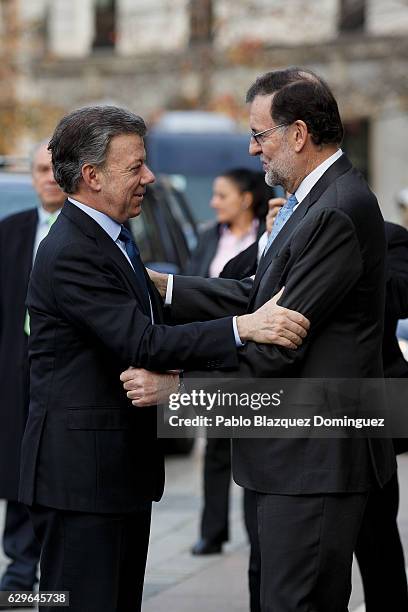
(146, 388)
(273, 324)
(160, 280)
(274, 206)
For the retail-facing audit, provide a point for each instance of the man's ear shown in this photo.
(300, 135)
(91, 177)
(247, 200)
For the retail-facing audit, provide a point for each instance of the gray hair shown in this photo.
(83, 137)
(34, 150)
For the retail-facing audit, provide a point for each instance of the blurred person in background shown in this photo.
(20, 235)
(240, 200)
(402, 327)
(378, 550)
(402, 203)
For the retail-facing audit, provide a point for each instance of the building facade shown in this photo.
(168, 54)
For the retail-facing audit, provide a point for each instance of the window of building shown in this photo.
(356, 144)
(352, 15)
(105, 27)
(201, 21)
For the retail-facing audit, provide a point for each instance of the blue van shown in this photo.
(194, 147)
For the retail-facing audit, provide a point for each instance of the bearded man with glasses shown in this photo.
(327, 249)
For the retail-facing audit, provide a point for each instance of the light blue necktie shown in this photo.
(283, 215)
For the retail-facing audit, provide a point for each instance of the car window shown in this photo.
(183, 215)
(16, 194)
(163, 231)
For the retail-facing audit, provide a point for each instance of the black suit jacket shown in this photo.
(17, 235)
(396, 307)
(85, 447)
(204, 253)
(396, 303)
(330, 258)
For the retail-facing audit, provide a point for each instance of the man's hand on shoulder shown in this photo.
(274, 324)
(159, 280)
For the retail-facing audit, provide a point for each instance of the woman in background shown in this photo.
(240, 200)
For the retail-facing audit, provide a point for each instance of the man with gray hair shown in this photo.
(91, 463)
(20, 235)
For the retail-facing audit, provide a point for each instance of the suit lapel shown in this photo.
(339, 167)
(113, 251)
(27, 233)
(92, 229)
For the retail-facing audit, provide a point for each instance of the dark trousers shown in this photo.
(306, 545)
(254, 567)
(22, 548)
(379, 552)
(99, 558)
(217, 480)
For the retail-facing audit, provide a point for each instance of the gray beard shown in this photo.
(274, 178)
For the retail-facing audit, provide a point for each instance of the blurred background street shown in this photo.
(201, 55)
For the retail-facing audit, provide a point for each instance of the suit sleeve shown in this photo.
(397, 272)
(88, 295)
(196, 298)
(327, 264)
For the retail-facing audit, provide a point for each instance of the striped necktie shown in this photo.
(134, 255)
(283, 215)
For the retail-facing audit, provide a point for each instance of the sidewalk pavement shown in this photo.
(177, 581)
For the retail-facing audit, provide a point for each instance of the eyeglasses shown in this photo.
(259, 137)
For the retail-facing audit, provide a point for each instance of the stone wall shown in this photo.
(152, 66)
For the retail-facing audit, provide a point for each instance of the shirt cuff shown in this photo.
(169, 291)
(238, 340)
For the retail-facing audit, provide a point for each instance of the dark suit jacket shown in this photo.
(17, 235)
(396, 307)
(242, 265)
(330, 257)
(85, 447)
(204, 253)
(396, 303)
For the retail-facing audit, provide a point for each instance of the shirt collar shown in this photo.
(44, 215)
(224, 229)
(311, 179)
(111, 227)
